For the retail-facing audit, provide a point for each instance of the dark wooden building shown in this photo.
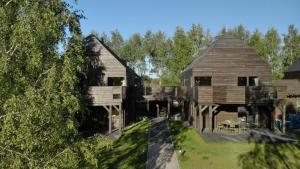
(294, 71)
(110, 83)
(230, 81)
(291, 80)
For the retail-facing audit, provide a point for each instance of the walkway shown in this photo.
(161, 153)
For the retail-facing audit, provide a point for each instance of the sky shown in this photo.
(131, 16)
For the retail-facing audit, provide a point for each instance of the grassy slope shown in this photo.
(229, 155)
(130, 151)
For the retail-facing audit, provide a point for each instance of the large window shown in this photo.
(242, 81)
(252, 80)
(203, 81)
(114, 81)
(246, 81)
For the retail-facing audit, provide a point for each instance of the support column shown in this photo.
(124, 118)
(110, 119)
(283, 118)
(182, 111)
(169, 107)
(157, 110)
(200, 118)
(120, 117)
(210, 126)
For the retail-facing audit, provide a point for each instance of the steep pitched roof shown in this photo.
(219, 40)
(114, 54)
(295, 66)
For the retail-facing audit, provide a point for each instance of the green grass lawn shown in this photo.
(130, 151)
(198, 154)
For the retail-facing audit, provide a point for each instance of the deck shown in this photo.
(235, 94)
(106, 95)
(165, 93)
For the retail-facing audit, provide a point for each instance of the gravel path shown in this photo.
(161, 153)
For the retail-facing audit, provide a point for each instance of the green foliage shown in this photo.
(291, 49)
(40, 91)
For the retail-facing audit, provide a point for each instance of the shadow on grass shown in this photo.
(130, 151)
(272, 155)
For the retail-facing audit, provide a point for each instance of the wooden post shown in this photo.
(157, 110)
(148, 106)
(169, 107)
(283, 118)
(200, 118)
(110, 119)
(182, 111)
(210, 118)
(124, 118)
(120, 117)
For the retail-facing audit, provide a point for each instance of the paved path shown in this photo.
(161, 153)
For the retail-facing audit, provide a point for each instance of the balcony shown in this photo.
(104, 95)
(233, 94)
(165, 92)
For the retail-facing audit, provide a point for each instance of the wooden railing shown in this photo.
(165, 92)
(260, 94)
(233, 94)
(99, 95)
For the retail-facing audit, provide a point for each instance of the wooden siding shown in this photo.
(112, 67)
(226, 60)
(103, 95)
(203, 94)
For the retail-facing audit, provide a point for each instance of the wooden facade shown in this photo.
(229, 72)
(110, 81)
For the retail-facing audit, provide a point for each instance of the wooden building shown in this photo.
(230, 81)
(110, 82)
(291, 80)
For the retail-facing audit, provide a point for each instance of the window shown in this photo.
(116, 96)
(242, 81)
(252, 80)
(203, 81)
(115, 81)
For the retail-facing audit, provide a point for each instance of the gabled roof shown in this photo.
(219, 40)
(295, 66)
(114, 54)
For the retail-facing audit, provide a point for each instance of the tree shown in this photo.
(272, 42)
(116, 42)
(40, 91)
(291, 48)
(181, 54)
(199, 39)
(257, 42)
(133, 53)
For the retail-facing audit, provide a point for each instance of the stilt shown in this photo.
(200, 118)
(157, 110)
(210, 126)
(182, 111)
(169, 107)
(284, 118)
(110, 119)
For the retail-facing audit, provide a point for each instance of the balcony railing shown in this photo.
(99, 95)
(165, 92)
(233, 94)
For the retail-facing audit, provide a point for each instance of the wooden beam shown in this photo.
(106, 108)
(215, 107)
(117, 108)
(203, 108)
(200, 118)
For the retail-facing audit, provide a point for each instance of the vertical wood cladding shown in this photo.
(225, 60)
